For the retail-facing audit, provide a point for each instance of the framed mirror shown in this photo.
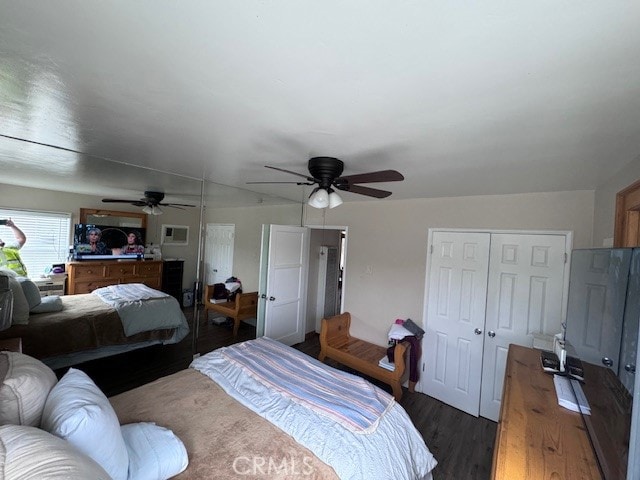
(117, 219)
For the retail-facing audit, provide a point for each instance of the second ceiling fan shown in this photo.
(326, 173)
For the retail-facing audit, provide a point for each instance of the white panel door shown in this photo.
(457, 283)
(219, 245)
(596, 301)
(287, 267)
(525, 297)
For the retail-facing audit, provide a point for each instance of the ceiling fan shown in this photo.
(326, 171)
(151, 203)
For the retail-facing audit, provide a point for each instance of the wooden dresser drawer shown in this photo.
(121, 270)
(87, 272)
(148, 269)
(88, 287)
(152, 282)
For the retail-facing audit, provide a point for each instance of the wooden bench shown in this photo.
(244, 306)
(336, 343)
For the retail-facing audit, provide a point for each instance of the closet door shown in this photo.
(524, 297)
(457, 287)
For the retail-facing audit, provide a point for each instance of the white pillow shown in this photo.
(52, 303)
(24, 389)
(20, 304)
(28, 453)
(31, 292)
(155, 453)
(77, 411)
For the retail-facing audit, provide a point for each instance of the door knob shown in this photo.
(477, 331)
(606, 361)
(271, 299)
(630, 368)
(491, 333)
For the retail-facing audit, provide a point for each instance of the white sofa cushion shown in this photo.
(24, 388)
(28, 453)
(79, 412)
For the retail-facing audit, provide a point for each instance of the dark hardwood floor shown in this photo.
(462, 444)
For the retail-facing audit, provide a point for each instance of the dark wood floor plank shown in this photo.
(462, 444)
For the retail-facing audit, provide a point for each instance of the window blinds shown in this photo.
(48, 235)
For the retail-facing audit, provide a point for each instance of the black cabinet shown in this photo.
(172, 278)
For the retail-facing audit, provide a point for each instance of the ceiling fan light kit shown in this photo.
(152, 210)
(326, 171)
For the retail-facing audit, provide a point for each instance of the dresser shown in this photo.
(86, 276)
(537, 438)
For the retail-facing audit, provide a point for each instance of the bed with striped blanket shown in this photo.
(348, 423)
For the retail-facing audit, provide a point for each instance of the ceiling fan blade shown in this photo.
(310, 179)
(370, 192)
(175, 205)
(116, 200)
(372, 177)
(294, 183)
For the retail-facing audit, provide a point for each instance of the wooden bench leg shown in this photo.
(322, 355)
(236, 326)
(397, 390)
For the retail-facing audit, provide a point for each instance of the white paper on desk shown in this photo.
(385, 363)
(566, 397)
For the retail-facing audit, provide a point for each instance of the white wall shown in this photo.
(387, 244)
(248, 222)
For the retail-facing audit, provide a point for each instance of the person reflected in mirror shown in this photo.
(10, 254)
(98, 247)
(134, 244)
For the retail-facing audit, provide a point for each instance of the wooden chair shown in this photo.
(244, 306)
(337, 344)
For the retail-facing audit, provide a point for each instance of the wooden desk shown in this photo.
(536, 438)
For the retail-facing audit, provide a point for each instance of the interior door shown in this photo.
(286, 269)
(524, 296)
(599, 299)
(219, 246)
(457, 282)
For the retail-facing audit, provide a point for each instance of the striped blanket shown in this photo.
(347, 399)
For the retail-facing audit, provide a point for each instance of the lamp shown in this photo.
(319, 198)
(334, 199)
(152, 210)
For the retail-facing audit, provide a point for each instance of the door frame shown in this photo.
(626, 231)
(567, 265)
(343, 253)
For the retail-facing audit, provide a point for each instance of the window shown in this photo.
(47, 235)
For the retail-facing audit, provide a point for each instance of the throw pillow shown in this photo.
(77, 411)
(50, 304)
(20, 304)
(28, 453)
(31, 292)
(155, 453)
(24, 389)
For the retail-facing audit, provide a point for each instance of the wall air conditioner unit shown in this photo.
(175, 235)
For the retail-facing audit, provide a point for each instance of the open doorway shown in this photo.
(327, 255)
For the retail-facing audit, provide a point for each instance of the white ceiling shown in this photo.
(463, 98)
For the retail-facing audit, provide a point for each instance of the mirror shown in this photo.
(115, 218)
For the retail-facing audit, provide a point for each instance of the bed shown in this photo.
(237, 418)
(108, 321)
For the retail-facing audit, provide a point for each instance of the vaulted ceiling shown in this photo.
(463, 98)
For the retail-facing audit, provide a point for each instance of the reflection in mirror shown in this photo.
(602, 330)
(115, 218)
